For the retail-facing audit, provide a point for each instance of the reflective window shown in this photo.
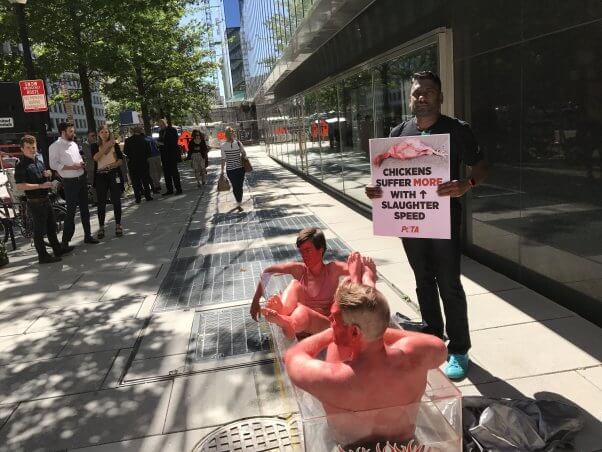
(356, 127)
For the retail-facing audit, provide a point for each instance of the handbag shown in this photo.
(223, 184)
(246, 163)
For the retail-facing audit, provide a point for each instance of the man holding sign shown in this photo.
(434, 260)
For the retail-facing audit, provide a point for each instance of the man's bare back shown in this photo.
(373, 378)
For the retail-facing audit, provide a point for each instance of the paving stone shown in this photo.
(54, 377)
(537, 348)
(105, 336)
(511, 307)
(87, 419)
(212, 398)
(162, 366)
(89, 314)
(593, 375)
(17, 322)
(167, 334)
(173, 442)
(34, 346)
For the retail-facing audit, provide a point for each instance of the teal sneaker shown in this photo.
(457, 366)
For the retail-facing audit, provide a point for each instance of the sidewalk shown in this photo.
(144, 343)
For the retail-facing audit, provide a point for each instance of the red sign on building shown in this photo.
(33, 95)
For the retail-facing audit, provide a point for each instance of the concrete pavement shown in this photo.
(142, 343)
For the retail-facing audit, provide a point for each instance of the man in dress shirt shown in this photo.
(66, 160)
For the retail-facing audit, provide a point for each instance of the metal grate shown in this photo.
(192, 237)
(223, 333)
(253, 435)
(290, 225)
(210, 285)
(234, 232)
(335, 250)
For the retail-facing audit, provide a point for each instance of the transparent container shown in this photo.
(435, 423)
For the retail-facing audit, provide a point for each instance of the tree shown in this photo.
(168, 73)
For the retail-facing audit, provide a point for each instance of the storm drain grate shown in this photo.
(192, 237)
(253, 435)
(213, 285)
(249, 216)
(291, 225)
(335, 250)
(223, 218)
(223, 333)
(234, 233)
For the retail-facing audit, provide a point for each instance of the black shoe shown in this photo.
(170, 192)
(91, 240)
(49, 259)
(149, 198)
(65, 249)
(138, 200)
(178, 192)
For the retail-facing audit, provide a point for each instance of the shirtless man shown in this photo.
(373, 376)
(305, 304)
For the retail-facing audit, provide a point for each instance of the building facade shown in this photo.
(526, 75)
(59, 111)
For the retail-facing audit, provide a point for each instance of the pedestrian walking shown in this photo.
(232, 154)
(170, 155)
(34, 180)
(436, 262)
(138, 151)
(198, 154)
(108, 178)
(66, 160)
(155, 168)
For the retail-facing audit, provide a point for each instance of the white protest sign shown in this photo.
(409, 169)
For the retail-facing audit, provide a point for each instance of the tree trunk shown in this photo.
(143, 100)
(82, 71)
(84, 80)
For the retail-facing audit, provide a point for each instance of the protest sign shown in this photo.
(409, 169)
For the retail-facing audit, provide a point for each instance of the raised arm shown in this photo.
(289, 268)
(424, 350)
(317, 377)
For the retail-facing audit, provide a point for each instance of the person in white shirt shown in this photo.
(233, 153)
(65, 159)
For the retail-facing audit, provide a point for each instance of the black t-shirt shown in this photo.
(30, 171)
(464, 146)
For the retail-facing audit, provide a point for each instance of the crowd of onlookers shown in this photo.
(105, 165)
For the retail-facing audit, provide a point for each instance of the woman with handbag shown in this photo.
(108, 158)
(198, 156)
(233, 156)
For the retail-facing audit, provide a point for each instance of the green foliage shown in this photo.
(137, 50)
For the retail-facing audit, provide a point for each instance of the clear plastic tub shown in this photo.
(434, 423)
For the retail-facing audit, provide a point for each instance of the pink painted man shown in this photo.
(304, 306)
(373, 376)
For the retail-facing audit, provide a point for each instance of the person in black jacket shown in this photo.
(198, 155)
(170, 155)
(107, 178)
(137, 150)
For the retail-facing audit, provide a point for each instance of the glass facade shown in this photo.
(528, 79)
(268, 26)
(325, 132)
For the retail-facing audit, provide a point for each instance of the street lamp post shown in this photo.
(19, 6)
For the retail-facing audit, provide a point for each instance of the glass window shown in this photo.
(392, 87)
(332, 170)
(317, 132)
(356, 128)
(495, 119)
